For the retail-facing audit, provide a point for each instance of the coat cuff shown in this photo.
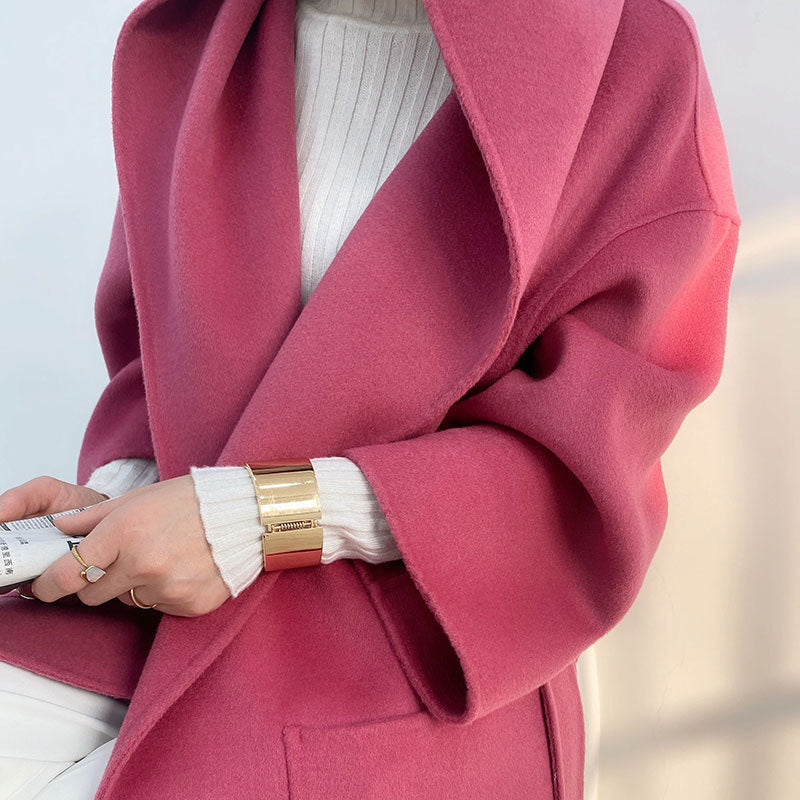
(527, 520)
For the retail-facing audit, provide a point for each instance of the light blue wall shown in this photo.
(56, 206)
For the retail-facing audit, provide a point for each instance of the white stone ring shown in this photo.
(89, 571)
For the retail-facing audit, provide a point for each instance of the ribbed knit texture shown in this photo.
(354, 525)
(369, 76)
(352, 521)
(122, 475)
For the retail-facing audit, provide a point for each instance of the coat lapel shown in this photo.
(235, 367)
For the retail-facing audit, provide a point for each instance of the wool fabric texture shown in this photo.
(537, 297)
(369, 75)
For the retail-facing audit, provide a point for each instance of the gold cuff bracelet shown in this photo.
(289, 509)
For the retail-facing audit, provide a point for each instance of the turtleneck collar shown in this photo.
(400, 12)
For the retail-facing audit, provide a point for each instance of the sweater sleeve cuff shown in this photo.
(353, 522)
(229, 512)
(123, 474)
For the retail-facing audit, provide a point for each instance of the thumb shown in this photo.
(42, 495)
(82, 522)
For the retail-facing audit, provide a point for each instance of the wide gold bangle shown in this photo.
(289, 509)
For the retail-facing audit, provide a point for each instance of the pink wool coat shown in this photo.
(506, 343)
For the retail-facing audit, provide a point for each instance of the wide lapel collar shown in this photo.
(431, 273)
(204, 139)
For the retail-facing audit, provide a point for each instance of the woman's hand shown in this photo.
(150, 539)
(44, 495)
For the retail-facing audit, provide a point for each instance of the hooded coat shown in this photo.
(506, 343)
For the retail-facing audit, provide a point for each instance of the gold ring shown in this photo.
(90, 572)
(137, 603)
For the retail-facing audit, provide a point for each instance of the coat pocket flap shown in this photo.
(503, 754)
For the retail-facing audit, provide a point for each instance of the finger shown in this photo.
(146, 595)
(165, 608)
(99, 548)
(115, 582)
(23, 590)
(37, 496)
(175, 609)
(125, 597)
(83, 522)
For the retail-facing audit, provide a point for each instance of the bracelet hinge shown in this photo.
(289, 510)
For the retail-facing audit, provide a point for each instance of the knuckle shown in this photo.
(45, 490)
(44, 483)
(150, 567)
(145, 563)
(88, 598)
(63, 576)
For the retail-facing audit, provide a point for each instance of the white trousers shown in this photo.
(55, 739)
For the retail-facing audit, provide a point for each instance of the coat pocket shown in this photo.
(505, 754)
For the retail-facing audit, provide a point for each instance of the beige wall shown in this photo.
(700, 682)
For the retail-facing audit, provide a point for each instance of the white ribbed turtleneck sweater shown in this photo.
(369, 76)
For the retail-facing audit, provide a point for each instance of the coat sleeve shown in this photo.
(119, 426)
(527, 524)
